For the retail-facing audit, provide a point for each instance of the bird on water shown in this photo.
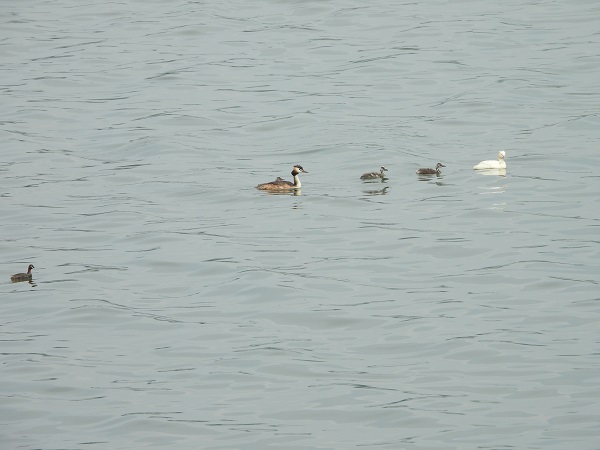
(280, 184)
(428, 171)
(23, 276)
(493, 164)
(374, 175)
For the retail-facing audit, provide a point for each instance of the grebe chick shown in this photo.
(493, 164)
(374, 175)
(280, 184)
(428, 171)
(23, 276)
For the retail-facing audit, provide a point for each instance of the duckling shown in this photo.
(23, 276)
(280, 184)
(428, 171)
(493, 164)
(374, 175)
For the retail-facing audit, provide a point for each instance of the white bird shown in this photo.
(493, 164)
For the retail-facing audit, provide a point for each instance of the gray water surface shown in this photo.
(175, 306)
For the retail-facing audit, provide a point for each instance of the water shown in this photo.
(174, 305)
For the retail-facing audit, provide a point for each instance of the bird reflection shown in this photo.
(429, 177)
(285, 192)
(377, 191)
(493, 172)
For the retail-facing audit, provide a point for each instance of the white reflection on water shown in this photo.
(492, 172)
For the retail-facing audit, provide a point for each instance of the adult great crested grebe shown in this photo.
(280, 184)
(23, 276)
(374, 175)
(493, 164)
(428, 171)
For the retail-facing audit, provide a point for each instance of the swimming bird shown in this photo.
(428, 171)
(493, 164)
(374, 175)
(23, 276)
(280, 184)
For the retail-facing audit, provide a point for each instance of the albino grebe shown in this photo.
(374, 175)
(280, 184)
(23, 276)
(492, 164)
(428, 171)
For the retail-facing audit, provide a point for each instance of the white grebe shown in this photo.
(374, 175)
(428, 171)
(280, 184)
(493, 164)
(23, 276)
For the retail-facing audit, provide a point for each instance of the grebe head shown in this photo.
(438, 165)
(383, 169)
(30, 267)
(297, 169)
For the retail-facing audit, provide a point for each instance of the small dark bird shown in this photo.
(374, 175)
(23, 276)
(428, 171)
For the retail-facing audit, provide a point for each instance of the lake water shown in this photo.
(174, 305)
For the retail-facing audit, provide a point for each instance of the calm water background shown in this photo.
(175, 306)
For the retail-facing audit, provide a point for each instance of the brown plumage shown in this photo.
(374, 175)
(428, 171)
(280, 184)
(23, 276)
